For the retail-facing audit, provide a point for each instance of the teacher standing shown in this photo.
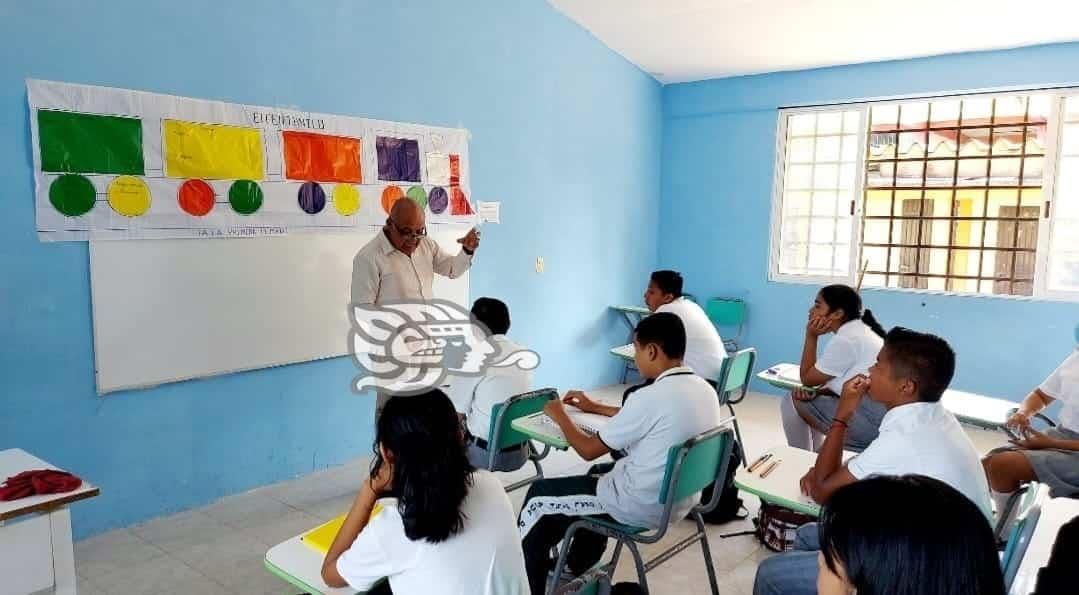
(400, 263)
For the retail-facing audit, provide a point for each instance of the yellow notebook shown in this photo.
(321, 537)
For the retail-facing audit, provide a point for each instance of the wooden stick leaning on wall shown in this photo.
(861, 276)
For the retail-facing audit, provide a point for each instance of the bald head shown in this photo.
(405, 225)
(406, 213)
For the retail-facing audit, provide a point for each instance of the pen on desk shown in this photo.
(771, 466)
(759, 462)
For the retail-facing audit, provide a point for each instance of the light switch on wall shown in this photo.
(539, 264)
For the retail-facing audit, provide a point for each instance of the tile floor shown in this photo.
(218, 549)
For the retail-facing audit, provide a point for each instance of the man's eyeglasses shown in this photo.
(407, 234)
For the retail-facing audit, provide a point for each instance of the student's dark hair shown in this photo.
(843, 297)
(431, 473)
(909, 535)
(493, 314)
(664, 330)
(668, 282)
(926, 359)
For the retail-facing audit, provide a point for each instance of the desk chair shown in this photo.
(691, 466)
(1015, 510)
(730, 313)
(1020, 534)
(502, 436)
(734, 380)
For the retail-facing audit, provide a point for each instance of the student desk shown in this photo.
(970, 408)
(301, 567)
(632, 315)
(1054, 513)
(537, 429)
(781, 486)
(36, 550)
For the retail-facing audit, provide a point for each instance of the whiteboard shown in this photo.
(170, 310)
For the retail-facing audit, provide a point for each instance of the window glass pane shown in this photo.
(801, 124)
(822, 166)
(824, 203)
(800, 150)
(968, 174)
(829, 122)
(828, 148)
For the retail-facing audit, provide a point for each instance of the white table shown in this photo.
(1054, 513)
(301, 566)
(36, 550)
(970, 408)
(782, 484)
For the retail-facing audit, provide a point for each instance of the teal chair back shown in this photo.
(502, 435)
(737, 372)
(726, 311)
(694, 464)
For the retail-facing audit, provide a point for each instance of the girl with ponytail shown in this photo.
(858, 338)
(425, 518)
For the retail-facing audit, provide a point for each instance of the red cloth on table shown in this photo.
(38, 482)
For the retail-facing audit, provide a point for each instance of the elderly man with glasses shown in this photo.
(400, 263)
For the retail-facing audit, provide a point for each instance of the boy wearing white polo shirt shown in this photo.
(918, 436)
(704, 347)
(675, 407)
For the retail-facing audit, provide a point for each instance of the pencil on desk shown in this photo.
(759, 462)
(770, 467)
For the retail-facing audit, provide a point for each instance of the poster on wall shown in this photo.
(121, 164)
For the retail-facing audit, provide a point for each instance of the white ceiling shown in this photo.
(688, 40)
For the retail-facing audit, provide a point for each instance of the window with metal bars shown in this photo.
(950, 194)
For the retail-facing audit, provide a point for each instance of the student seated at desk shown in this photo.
(474, 396)
(1051, 457)
(910, 535)
(704, 347)
(917, 436)
(675, 407)
(858, 338)
(442, 527)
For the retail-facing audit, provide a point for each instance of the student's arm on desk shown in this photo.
(358, 518)
(589, 447)
(829, 473)
(581, 401)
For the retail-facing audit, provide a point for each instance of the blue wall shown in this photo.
(565, 133)
(719, 151)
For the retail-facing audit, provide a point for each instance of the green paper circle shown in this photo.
(245, 197)
(72, 195)
(418, 196)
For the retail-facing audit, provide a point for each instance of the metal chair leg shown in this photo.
(712, 582)
(738, 437)
(639, 563)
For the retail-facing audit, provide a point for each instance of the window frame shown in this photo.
(1054, 127)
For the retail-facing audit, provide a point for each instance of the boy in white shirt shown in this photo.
(1051, 457)
(475, 396)
(675, 407)
(704, 347)
(917, 437)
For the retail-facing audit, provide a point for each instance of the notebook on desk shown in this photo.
(589, 423)
(321, 537)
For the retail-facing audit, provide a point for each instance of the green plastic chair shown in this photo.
(691, 466)
(733, 384)
(729, 313)
(1021, 533)
(502, 435)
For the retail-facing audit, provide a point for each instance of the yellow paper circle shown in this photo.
(346, 199)
(129, 196)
